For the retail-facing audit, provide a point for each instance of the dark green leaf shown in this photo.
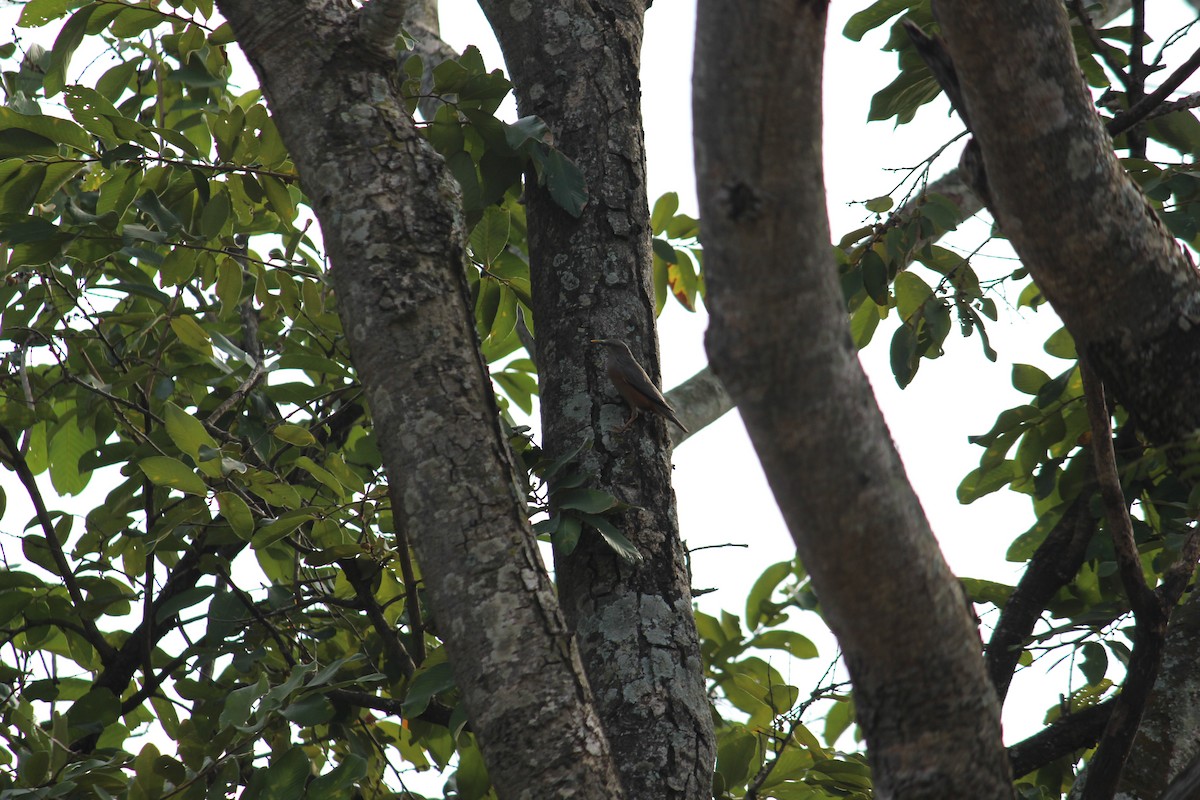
(875, 15)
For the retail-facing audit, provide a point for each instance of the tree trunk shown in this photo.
(926, 707)
(392, 225)
(575, 65)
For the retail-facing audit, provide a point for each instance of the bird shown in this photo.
(633, 384)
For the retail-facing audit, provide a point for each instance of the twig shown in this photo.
(1129, 565)
(1142, 109)
(256, 373)
(412, 595)
(715, 546)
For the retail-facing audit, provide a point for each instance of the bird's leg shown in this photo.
(632, 416)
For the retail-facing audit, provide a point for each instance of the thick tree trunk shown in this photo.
(575, 64)
(924, 701)
(393, 229)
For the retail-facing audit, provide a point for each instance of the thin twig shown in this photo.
(1129, 564)
(256, 373)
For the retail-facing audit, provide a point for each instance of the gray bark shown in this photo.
(575, 64)
(925, 704)
(392, 226)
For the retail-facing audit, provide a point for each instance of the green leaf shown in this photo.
(339, 782)
(1095, 663)
(284, 526)
(215, 216)
(913, 87)
(235, 511)
(37, 13)
(565, 533)
(912, 294)
(312, 709)
(279, 198)
(425, 685)
(737, 751)
(875, 15)
(904, 355)
(68, 443)
(589, 501)
(172, 473)
(52, 131)
(490, 235)
(614, 538)
(1061, 345)
(761, 591)
(1028, 379)
(880, 204)
(93, 712)
(69, 39)
(192, 335)
(664, 210)
(838, 720)
(561, 177)
(238, 702)
(789, 641)
(185, 599)
(863, 323)
(981, 481)
(875, 277)
(294, 434)
(186, 431)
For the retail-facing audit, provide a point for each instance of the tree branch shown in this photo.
(17, 460)
(1052, 566)
(393, 648)
(699, 401)
(1076, 731)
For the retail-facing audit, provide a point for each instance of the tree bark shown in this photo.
(925, 704)
(392, 225)
(575, 64)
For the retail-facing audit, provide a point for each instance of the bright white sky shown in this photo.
(722, 495)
